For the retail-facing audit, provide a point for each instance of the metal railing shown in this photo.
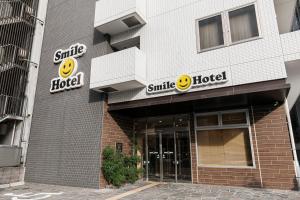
(17, 25)
(16, 11)
(13, 79)
(11, 106)
(12, 55)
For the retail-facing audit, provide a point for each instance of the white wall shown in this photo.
(110, 10)
(169, 42)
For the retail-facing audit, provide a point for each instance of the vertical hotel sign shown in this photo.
(68, 78)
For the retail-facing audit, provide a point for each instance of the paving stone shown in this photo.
(161, 192)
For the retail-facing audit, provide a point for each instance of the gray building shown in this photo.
(66, 127)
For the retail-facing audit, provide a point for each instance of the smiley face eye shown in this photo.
(180, 81)
(70, 65)
(186, 79)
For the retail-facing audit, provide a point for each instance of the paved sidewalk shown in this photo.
(159, 192)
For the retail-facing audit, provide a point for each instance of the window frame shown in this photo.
(198, 32)
(220, 126)
(257, 22)
(226, 28)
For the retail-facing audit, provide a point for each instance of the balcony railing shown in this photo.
(11, 106)
(119, 71)
(15, 12)
(12, 55)
(13, 78)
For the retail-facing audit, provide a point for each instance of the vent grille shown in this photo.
(131, 21)
(108, 90)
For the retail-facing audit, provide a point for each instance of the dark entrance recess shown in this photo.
(164, 142)
(166, 148)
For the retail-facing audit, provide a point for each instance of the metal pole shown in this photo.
(296, 162)
(14, 133)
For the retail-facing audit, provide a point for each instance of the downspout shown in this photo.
(296, 162)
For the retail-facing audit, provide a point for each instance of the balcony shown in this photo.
(119, 71)
(115, 16)
(14, 12)
(14, 69)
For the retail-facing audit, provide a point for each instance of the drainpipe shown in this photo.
(296, 162)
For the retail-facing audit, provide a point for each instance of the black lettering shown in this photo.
(150, 88)
(73, 51)
(55, 85)
(79, 79)
(205, 79)
(172, 85)
(57, 56)
(62, 84)
(212, 78)
(68, 82)
(80, 49)
(73, 82)
(224, 75)
(65, 54)
(164, 86)
(219, 77)
(158, 88)
(197, 80)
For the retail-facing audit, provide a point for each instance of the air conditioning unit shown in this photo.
(7, 10)
(28, 12)
(2, 52)
(131, 22)
(22, 54)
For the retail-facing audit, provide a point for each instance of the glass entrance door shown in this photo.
(168, 156)
(183, 156)
(154, 156)
(167, 149)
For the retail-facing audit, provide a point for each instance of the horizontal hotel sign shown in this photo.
(185, 82)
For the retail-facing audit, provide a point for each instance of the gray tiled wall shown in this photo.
(65, 134)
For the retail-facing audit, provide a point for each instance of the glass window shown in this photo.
(243, 24)
(296, 20)
(208, 120)
(227, 147)
(181, 122)
(140, 126)
(211, 32)
(234, 118)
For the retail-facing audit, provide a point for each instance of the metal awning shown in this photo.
(242, 95)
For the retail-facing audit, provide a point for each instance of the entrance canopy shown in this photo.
(242, 95)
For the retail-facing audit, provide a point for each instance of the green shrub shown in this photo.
(119, 169)
(113, 167)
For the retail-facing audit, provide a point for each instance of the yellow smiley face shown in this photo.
(67, 68)
(184, 83)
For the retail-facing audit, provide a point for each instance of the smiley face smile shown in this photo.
(67, 68)
(184, 83)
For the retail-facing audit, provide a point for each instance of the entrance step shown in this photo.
(134, 191)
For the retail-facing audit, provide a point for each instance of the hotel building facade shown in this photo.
(203, 88)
